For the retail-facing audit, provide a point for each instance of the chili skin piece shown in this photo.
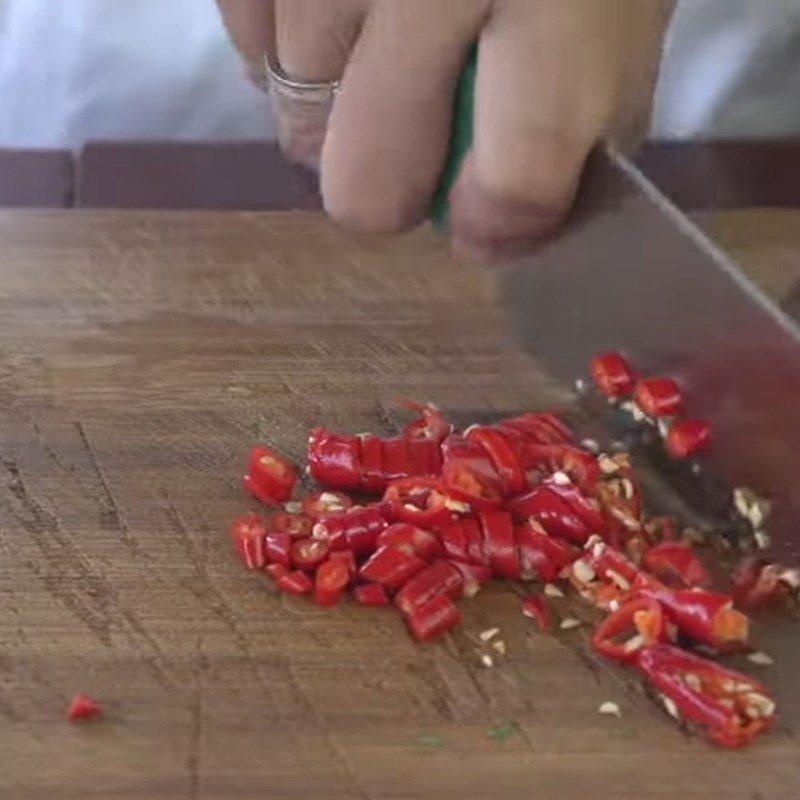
(248, 533)
(440, 578)
(676, 564)
(613, 375)
(659, 397)
(356, 529)
(412, 539)
(713, 697)
(551, 512)
(331, 581)
(641, 620)
(391, 567)
(270, 477)
(687, 437)
(82, 707)
(335, 459)
(432, 619)
(706, 617)
(419, 501)
(295, 583)
(371, 594)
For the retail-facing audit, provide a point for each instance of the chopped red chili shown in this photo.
(706, 617)
(335, 459)
(277, 547)
(635, 625)
(433, 618)
(431, 425)
(412, 539)
(551, 512)
(371, 594)
(500, 544)
(248, 533)
(440, 578)
(733, 708)
(391, 567)
(687, 437)
(320, 504)
(276, 571)
(503, 456)
(758, 583)
(298, 526)
(295, 583)
(270, 477)
(331, 581)
(676, 564)
(308, 554)
(419, 501)
(356, 529)
(82, 706)
(542, 557)
(613, 375)
(474, 575)
(659, 397)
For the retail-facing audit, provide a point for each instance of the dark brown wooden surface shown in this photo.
(142, 355)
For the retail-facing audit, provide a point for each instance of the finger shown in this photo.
(553, 78)
(314, 40)
(389, 129)
(544, 90)
(250, 24)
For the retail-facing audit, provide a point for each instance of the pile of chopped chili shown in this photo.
(422, 519)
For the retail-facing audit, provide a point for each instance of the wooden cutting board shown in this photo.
(142, 355)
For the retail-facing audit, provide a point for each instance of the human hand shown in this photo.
(554, 77)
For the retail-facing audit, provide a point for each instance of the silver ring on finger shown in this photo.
(321, 92)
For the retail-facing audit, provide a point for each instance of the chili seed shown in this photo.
(669, 704)
(583, 571)
(568, 623)
(761, 658)
(293, 507)
(610, 708)
(500, 646)
(551, 590)
(488, 634)
(487, 660)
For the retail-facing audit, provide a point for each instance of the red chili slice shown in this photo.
(308, 554)
(432, 425)
(538, 609)
(500, 544)
(613, 375)
(551, 512)
(432, 619)
(542, 556)
(587, 508)
(276, 571)
(83, 707)
(688, 437)
(298, 526)
(412, 539)
(248, 534)
(473, 539)
(419, 501)
(424, 456)
(331, 581)
(373, 478)
(347, 558)
(659, 397)
(277, 547)
(578, 465)
(454, 542)
(295, 583)
(321, 503)
(677, 564)
(505, 459)
(371, 594)
(440, 578)
(706, 617)
(635, 625)
(270, 477)
(391, 567)
(732, 707)
(469, 474)
(356, 529)
(396, 460)
(474, 575)
(335, 459)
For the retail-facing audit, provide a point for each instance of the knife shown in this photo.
(629, 271)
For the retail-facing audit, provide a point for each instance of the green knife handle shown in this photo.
(460, 141)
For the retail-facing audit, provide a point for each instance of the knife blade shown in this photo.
(631, 272)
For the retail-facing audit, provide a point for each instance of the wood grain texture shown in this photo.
(142, 355)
